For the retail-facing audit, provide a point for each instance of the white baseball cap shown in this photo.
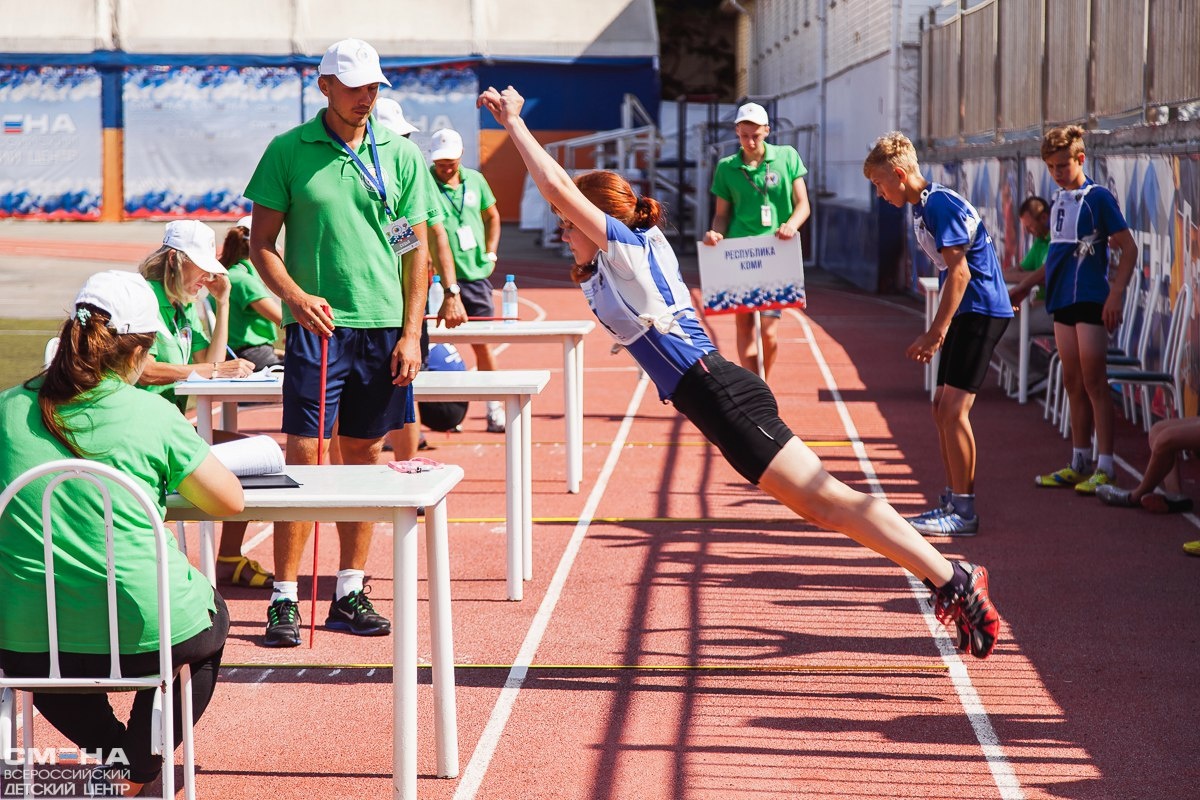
(244, 222)
(353, 62)
(389, 114)
(196, 241)
(751, 112)
(446, 144)
(128, 299)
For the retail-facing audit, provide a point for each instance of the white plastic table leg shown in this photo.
(441, 633)
(513, 496)
(404, 655)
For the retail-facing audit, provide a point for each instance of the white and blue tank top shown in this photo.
(638, 294)
(1081, 220)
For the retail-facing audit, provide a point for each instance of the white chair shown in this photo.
(1169, 374)
(48, 353)
(163, 734)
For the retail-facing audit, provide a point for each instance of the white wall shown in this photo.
(566, 28)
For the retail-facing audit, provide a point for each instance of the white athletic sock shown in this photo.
(348, 582)
(1105, 464)
(286, 590)
(1080, 457)
(494, 406)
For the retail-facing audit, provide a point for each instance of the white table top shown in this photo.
(227, 388)
(479, 385)
(486, 331)
(374, 491)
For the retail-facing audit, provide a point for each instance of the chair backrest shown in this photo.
(1136, 300)
(48, 353)
(1176, 343)
(96, 474)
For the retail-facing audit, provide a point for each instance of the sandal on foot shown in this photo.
(246, 572)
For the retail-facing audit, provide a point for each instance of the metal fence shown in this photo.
(1015, 66)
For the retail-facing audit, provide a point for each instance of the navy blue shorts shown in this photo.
(736, 411)
(359, 392)
(1080, 314)
(477, 298)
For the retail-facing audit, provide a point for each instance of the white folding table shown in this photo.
(570, 334)
(376, 493)
(516, 389)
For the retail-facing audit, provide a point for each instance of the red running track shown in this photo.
(686, 638)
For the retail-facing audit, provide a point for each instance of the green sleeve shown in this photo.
(416, 198)
(487, 198)
(268, 185)
(720, 186)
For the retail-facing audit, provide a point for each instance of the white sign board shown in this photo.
(753, 273)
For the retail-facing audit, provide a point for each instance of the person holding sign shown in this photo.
(631, 280)
(472, 224)
(355, 198)
(971, 317)
(760, 190)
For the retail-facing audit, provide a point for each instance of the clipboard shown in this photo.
(278, 480)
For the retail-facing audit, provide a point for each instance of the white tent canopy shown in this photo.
(497, 28)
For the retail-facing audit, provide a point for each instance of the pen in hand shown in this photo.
(232, 354)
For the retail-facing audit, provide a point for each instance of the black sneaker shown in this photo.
(976, 621)
(283, 624)
(355, 614)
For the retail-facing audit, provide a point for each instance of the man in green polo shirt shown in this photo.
(759, 190)
(355, 198)
(472, 224)
(1029, 279)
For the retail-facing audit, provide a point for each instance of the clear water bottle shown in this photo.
(436, 295)
(508, 299)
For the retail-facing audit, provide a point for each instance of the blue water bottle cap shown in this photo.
(437, 278)
(510, 278)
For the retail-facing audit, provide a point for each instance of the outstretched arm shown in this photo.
(550, 178)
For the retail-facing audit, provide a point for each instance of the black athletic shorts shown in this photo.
(967, 350)
(736, 411)
(477, 297)
(1080, 314)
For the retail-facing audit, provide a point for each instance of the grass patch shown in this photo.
(22, 344)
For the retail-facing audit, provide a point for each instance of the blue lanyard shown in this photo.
(376, 180)
(449, 192)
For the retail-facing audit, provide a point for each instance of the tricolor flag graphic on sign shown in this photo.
(14, 124)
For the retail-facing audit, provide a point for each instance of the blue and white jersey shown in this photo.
(1081, 220)
(638, 294)
(944, 218)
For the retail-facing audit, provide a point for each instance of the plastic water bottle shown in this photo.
(436, 295)
(508, 299)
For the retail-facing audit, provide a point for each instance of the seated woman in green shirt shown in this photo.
(82, 406)
(254, 313)
(177, 272)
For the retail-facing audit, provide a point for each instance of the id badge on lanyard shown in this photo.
(399, 232)
(765, 215)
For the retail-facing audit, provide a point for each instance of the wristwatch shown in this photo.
(492, 257)
(453, 290)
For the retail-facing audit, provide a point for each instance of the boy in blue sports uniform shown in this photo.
(973, 312)
(1084, 222)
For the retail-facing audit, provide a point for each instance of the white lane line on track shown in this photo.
(1002, 772)
(472, 776)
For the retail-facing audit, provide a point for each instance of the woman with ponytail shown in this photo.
(177, 272)
(84, 406)
(631, 279)
(254, 313)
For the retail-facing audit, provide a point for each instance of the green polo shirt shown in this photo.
(1035, 257)
(747, 190)
(336, 245)
(247, 327)
(181, 336)
(462, 207)
(148, 440)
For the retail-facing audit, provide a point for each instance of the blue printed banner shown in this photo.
(752, 273)
(50, 147)
(193, 136)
